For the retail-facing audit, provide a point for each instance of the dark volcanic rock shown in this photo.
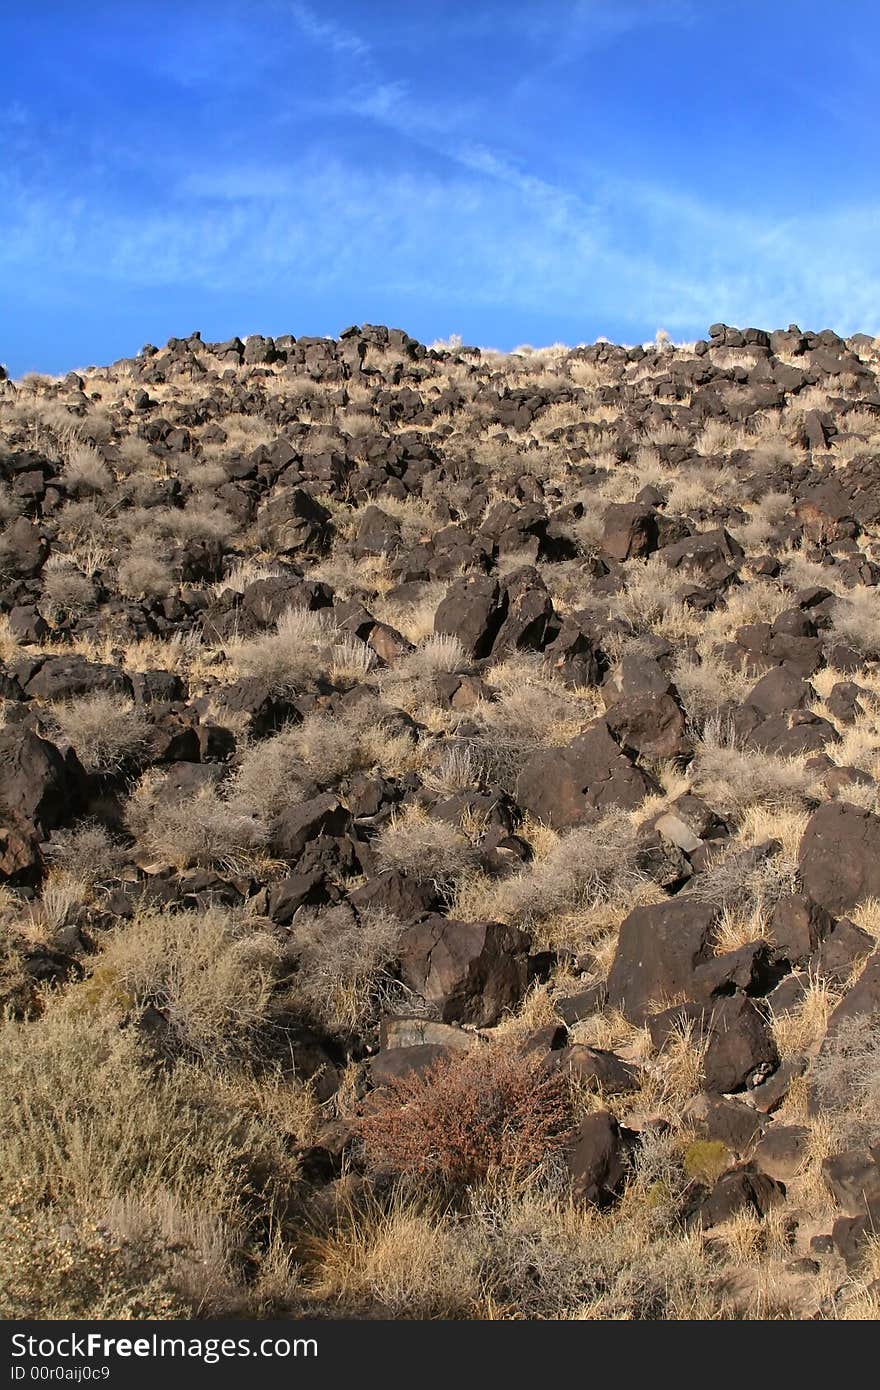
(66, 677)
(300, 824)
(40, 786)
(839, 856)
(473, 611)
(597, 1159)
(742, 1189)
(741, 1046)
(658, 951)
(469, 971)
(563, 785)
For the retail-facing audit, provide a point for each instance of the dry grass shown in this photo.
(151, 1109)
(857, 620)
(296, 653)
(706, 683)
(85, 472)
(144, 573)
(279, 770)
(845, 1078)
(799, 1032)
(124, 1189)
(344, 976)
(210, 974)
(359, 740)
(733, 778)
(108, 731)
(650, 601)
(531, 710)
(201, 830)
(424, 848)
(87, 853)
(406, 1259)
(574, 871)
(545, 1258)
(67, 591)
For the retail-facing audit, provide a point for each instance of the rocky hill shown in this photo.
(440, 843)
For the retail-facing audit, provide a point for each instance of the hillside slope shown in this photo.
(440, 844)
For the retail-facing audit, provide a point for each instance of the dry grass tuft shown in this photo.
(575, 871)
(299, 651)
(425, 848)
(344, 978)
(210, 974)
(845, 1081)
(196, 831)
(732, 777)
(108, 731)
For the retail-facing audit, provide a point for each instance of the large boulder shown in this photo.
(377, 533)
(40, 786)
(400, 895)
(839, 856)
(741, 1049)
(563, 786)
(264, 600)
(841, 950)
(596, 1069)
(714, 555)
(629, 530)
(780, 690)
(658, 951)
(468, 971)
(23, 549)
(644, 712)
(596, 1159)
(742, 1189)
(292, 522)
(68, 677)
(473, 610)
(798, 926)
(301, 823)
(783, 1152)
(530, 616)
(573, 657)
(863, 998)
(20, 858)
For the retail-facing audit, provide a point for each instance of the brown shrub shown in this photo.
(479, 1113)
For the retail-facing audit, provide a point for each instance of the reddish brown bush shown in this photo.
(479, 1112)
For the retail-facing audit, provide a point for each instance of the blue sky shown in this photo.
(509, 171)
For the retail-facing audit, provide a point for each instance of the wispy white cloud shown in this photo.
(585, 27)
(485, 234)
(447, 211)
(383, 101)
(327, 32)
